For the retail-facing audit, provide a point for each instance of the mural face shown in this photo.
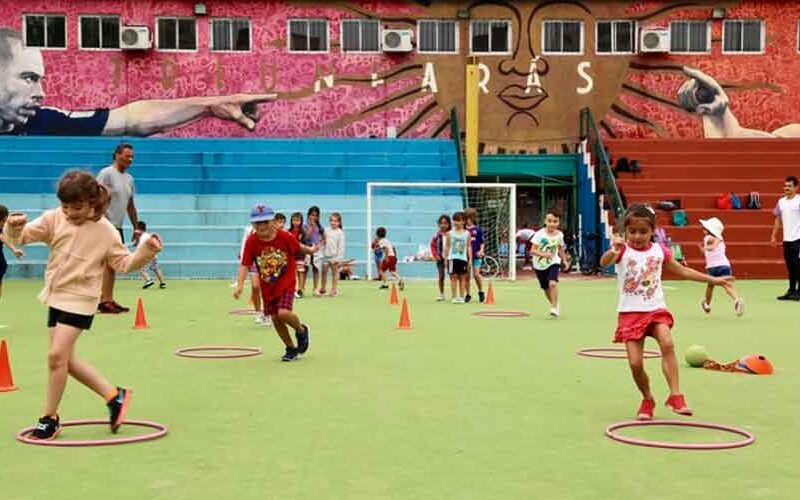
(527, 98)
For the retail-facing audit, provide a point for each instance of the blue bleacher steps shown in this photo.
(196, 193)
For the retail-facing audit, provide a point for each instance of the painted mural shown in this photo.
(527, 99)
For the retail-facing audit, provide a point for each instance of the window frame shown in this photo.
(510, 40)
(762, 41)
(230, 19)
(691, 21)
(177, 34)
(45, 16)
(81, 17)
(634, 35)
(360, 39)
(561, 52)
(457, 35)
(308, 20)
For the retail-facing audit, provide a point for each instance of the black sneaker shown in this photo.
(467, 298)
(481, 297)
(48, 428)
(302, 339)
(162, 285)
(148, 284)
(299, 294)
(291, 354)
(383, 286)
(789, 295)
(107, 308)
(120, 308)
(117, 408)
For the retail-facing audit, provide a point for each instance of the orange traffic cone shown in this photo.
(489, 295)
(405, 318)
(6, 380)
(393, 300)
(141, 322)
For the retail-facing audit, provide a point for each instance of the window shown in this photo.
(743, 36)
(490, 37)
(176, 33)
(437, 36)
(230, 34)
(615, 37)
(689, 36)
(48, 31)
(563, 37)
(361, 35)
(99, 32)
(308, 35)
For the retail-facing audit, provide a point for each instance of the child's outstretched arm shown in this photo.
(688, 273)
(613, 253)
(16, 251)
(120, 259)
(18, 231)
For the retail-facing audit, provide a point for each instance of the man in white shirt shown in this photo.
(121, 187)
(787, 215)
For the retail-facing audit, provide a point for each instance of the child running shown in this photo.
(717, 264)
(458, 253)
(272, 250)
(642, 309)
(314, 235)
(389, 260)
(547, 246)
(3, 241)
(476, 239)
(82, 243)
(140, 237)
(437, 251)
(333, 254)
(255, 283)
(300, 259)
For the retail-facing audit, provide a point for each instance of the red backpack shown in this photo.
(724, 202)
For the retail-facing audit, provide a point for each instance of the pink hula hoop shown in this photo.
(612, 353)
(749, 438)
(501, 314)
(194, 352)
(160, 431)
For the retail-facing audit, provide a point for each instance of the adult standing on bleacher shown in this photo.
(121, 187)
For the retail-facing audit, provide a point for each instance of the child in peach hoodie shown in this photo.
(82, 243)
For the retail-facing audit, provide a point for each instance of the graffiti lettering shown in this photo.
(429, 79)
(485, 75)
(169, 73)
(582, 67)
(533, 76)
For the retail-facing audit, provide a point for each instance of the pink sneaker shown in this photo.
(334, 292)
(677, 403)
(319, 293)
(646, 409)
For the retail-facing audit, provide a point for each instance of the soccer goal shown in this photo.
(409, 211)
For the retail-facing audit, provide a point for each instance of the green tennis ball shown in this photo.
(696, 355)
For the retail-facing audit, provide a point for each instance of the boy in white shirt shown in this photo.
(140, 237)
(548, 250)
(389, 261)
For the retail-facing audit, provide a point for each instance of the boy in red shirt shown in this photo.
(272, 250)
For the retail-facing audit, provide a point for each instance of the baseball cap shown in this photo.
(261, 213)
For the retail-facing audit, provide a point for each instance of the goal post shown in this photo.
(410, 210)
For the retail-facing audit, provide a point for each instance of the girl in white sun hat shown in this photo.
(717, 263)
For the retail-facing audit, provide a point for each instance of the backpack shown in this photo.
(622, 165)
(634, 167)
(736, 203)
(661, 236)
(754, 200)
(677, 251)
(679, 218)
(724, 202)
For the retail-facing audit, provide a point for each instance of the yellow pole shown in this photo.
(473, 76)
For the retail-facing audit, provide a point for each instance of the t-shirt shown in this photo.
(387, 247)
(639, 278)
(547, 243)
(476, 234)
(716, 257)
(334, 245)
(313, 234)
(458, 245)
(54, 121)
(121, 188)
(789, 211)
(275, 260)
(525, 234)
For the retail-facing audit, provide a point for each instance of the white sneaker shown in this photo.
(458, 300)
(440, 298)
(554, 312)
(266, 321)
(260, 318)
(705, 306)
(738, 306)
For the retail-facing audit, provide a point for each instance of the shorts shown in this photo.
(457, 267)
(3, 268)
(283, 301)
(477, 263)
(720, 271)
(121, 234)
(153, 266)
(301, 262)
(389, 263)
(80, 321)
(316, 260)
(545, 276)
(638, 325)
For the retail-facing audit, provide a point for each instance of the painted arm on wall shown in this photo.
(142, 118)
(703, 95)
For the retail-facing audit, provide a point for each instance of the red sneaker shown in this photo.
(677, 403)
(107, 308)
(646, 409)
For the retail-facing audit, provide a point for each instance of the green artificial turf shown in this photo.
(460, 407)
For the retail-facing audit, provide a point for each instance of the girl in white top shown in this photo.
(717, 263)
(255, 284)
(642, 309)
(333, 254)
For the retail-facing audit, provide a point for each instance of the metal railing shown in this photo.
(602, 163)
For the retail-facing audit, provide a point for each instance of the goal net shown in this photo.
(410, 211)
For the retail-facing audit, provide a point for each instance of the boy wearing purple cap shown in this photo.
(272, 250)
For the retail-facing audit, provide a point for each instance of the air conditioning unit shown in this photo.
(134, 38)
(397, 40)
(654, 40)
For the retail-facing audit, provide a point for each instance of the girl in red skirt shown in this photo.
(642, 309)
